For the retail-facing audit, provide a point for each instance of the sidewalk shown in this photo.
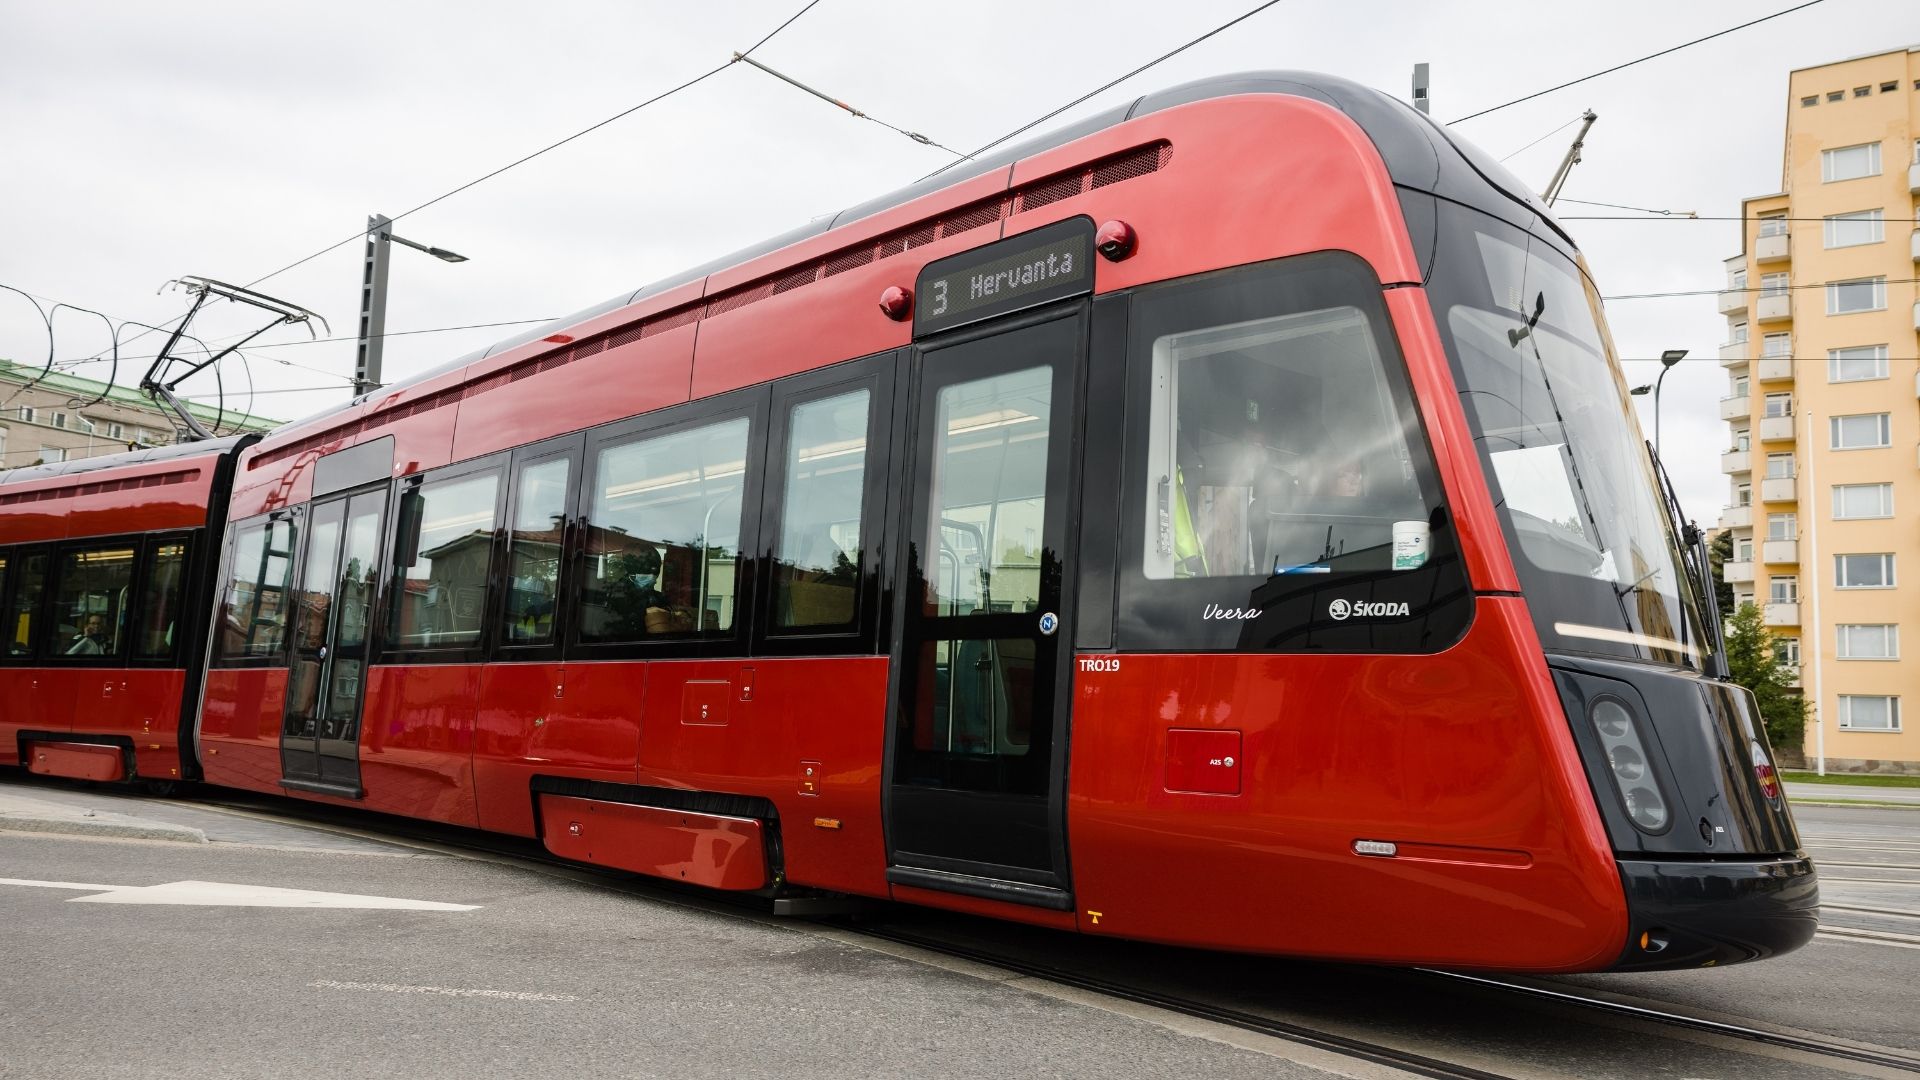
(23, 812)
(1843, 793)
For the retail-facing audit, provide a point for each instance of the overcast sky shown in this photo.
(226, 140)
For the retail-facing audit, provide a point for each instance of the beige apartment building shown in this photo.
(62, 417)
(1823, 408)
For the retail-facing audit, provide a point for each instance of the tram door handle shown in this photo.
(320, 653)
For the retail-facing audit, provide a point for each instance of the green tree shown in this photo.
(1753, 664)
(1719, 554)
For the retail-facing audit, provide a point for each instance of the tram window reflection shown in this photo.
(440, 591)
(533, 555)
(817, 566)
(160, 601)
(253, 612)
(1276, 448)
(663, 536)
(90, 601)
(27, 589)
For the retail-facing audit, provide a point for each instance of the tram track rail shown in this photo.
(351, 822)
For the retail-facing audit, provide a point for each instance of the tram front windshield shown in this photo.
(1569, 472)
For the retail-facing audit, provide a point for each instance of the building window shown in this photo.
(1889, 87)
(58, 420)
(1780, 466)
(1739, 334)
(28, 414)
(1743, 495)
(1852, 502)
(1869, 641)
(1869, 712)
(51, 454)
(1863, 294)
(1783, 526)
(1779, 405)
(1857, 364)
(1784, 589)
(1863, 571)
(1849, 162)
(1836, 95)
(1743, 440)
(1786, 651)
(1737, 279)
(116, 431)
(1773, 225)
(1807, 101)
(87, 425)
(1738, 386)
(1776, 346)
(1862, 91)
(1854, 229)
(1743, 549)
(1773, 285)
(1865, 431)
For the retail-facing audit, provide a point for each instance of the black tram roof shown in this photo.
(1420, 155)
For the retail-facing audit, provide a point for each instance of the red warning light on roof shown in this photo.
(559, 339)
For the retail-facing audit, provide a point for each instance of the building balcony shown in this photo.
(1916, 314)
(1770, 248)
(1780, 552)
(1774, 368)
(1736, 572)
(1913, 178)
(1734, 353)
(1736, 461)
(1777, 489)
(1916, 245)
(1732, 302)
(1776, 428)
(1779, 614)
(1736, 517)
(1734, 408)
(1773, 308)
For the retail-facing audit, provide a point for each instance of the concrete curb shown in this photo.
(89, 823)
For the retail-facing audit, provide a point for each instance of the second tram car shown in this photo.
(1220, 523)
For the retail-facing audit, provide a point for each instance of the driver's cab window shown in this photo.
(1276, 449)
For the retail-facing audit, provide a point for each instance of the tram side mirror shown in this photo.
(412, 507)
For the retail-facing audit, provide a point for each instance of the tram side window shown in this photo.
(1276, 448)
(253, 608)
(534, 549)
(29, 583)
(160, 601)
(90, 602)
(663, 536)
(443, 553)
(817, 565)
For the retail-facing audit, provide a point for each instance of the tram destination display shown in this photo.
(1033, 268)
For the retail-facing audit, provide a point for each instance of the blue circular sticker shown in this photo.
(1049, 623)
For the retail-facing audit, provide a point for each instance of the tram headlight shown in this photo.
(1627, 757)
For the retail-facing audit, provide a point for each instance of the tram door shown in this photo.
(333, 612)
(976, 788)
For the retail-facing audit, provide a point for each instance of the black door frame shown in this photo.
(344, 755)
(1051, 888)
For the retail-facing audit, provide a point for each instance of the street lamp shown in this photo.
(373, 298)
(1667, 360)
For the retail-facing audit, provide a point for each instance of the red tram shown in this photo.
(1230, 530)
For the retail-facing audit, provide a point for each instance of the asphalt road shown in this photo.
(541, 975)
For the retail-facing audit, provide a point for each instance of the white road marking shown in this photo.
(449, 991)
(221, 894)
